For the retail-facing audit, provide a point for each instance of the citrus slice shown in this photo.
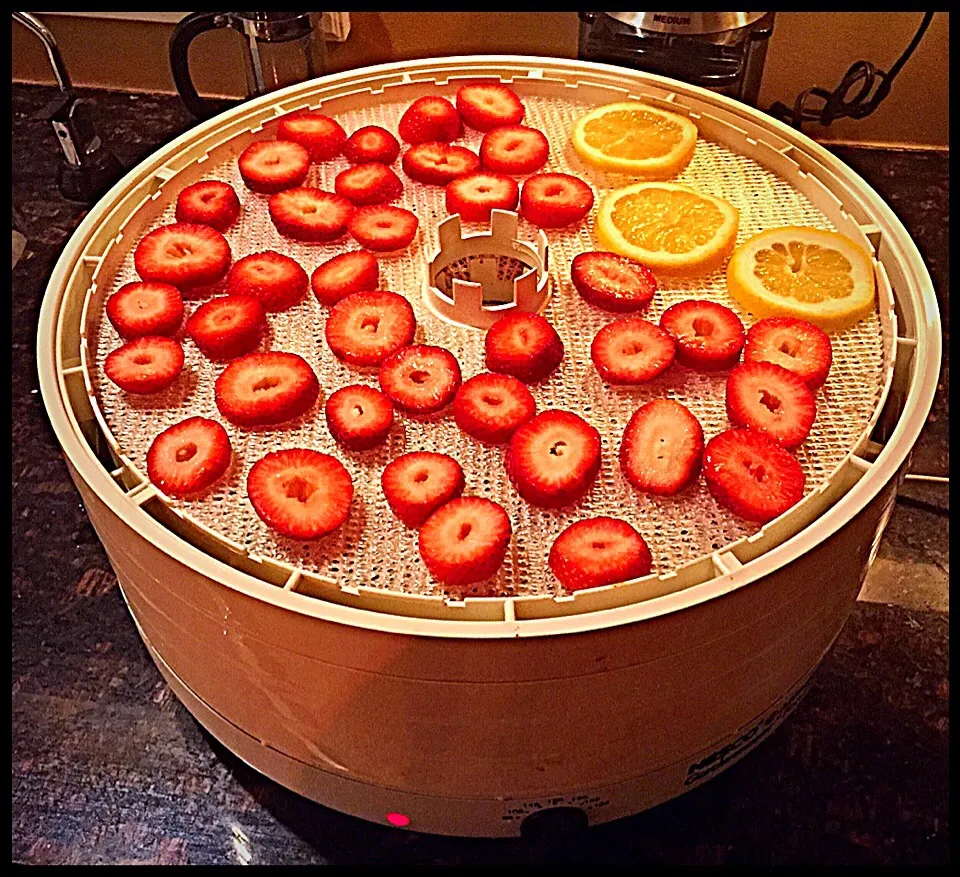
(668, 227)
(819, 276)
(635, 138)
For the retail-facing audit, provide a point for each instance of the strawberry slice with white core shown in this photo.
(439, 163)
(371, 143)
(772, 400)
(631, 351)
(796, 345)
(367, 327)
(611, 282)
(343, 275)
(185, 255)
(554, 458)
(555, 200)
(430, 119)
(269, 166)
(189, 457)
(138, 309)
(145, 365)
(599, 551)
(263, 389)
(300, 493)
(359, 417)
(228, 327)
(514, 149)
(752, 475)
(473, 196)
(276, 281)
(662, 448)
(310, 215)
(420, 379)
(371, 183)
(383, 228)
(523, 345)
(465, 541)
(209, 202)
(709, 336)
(417, 484)
(488, 105)
(492, 407)
(320, 135)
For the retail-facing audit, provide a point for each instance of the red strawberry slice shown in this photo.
(631, 351)
(359, 417)
(794, 344)
(310, 215)
(709, 336)
(138, 309)
(269, 166)
(599, 551)
(189, 457)
(473, 196)
(145, 365)
(343, 275)
(371, 143)
(228, 327)
(417, 484)
(465, 541)
(209, 202)
(438, 163)
(662, 448)
(430, 119)
(491, 407)
(752, 475)
(514, 149)
(185, 255)
(420, 379)
(383, 228)
(262, 389)
(300, 493)
(613, 283)
(275, 280)
(555, 200)
(320, 135)
(769, 399)
(371, 183)
(523, 345)
(488, 105)
(553, 458)
(366, 327)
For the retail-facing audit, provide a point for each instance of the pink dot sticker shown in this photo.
(398, 819)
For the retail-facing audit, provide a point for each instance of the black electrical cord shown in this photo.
(836, 103)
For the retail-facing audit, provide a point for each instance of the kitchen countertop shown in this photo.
(108, 767)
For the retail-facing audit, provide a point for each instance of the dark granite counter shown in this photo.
(109, 768)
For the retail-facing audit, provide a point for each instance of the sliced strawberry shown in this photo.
(371, 143)
(599, 551)
(228, 327)
(438, 163)
(320, 135)
(269, 166)
(359, 417)
(795, 344)
(366, 327)
(523, 345)
(514, 149)
(420, 379)
(709, 336)
(417, 484)
(614, 283)
(343, 275)
(209, 202)
(262, 389)
(371, 183)
(662, 448)
(184, 255)
(430, 119)
(491, 407)
(555, 200)
(488, 105)
(631, 351)
(145, 365)
(310, 215)
(473, 196)
(769, 399)
(553, 458)
(465, 541)
(276, 281)
(752, 475)
(189, 457)
(138, 309)
(383, 228)
(300, 493)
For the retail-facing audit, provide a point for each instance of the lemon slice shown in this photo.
(635, 138)
(818, 276)
(668, 227)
